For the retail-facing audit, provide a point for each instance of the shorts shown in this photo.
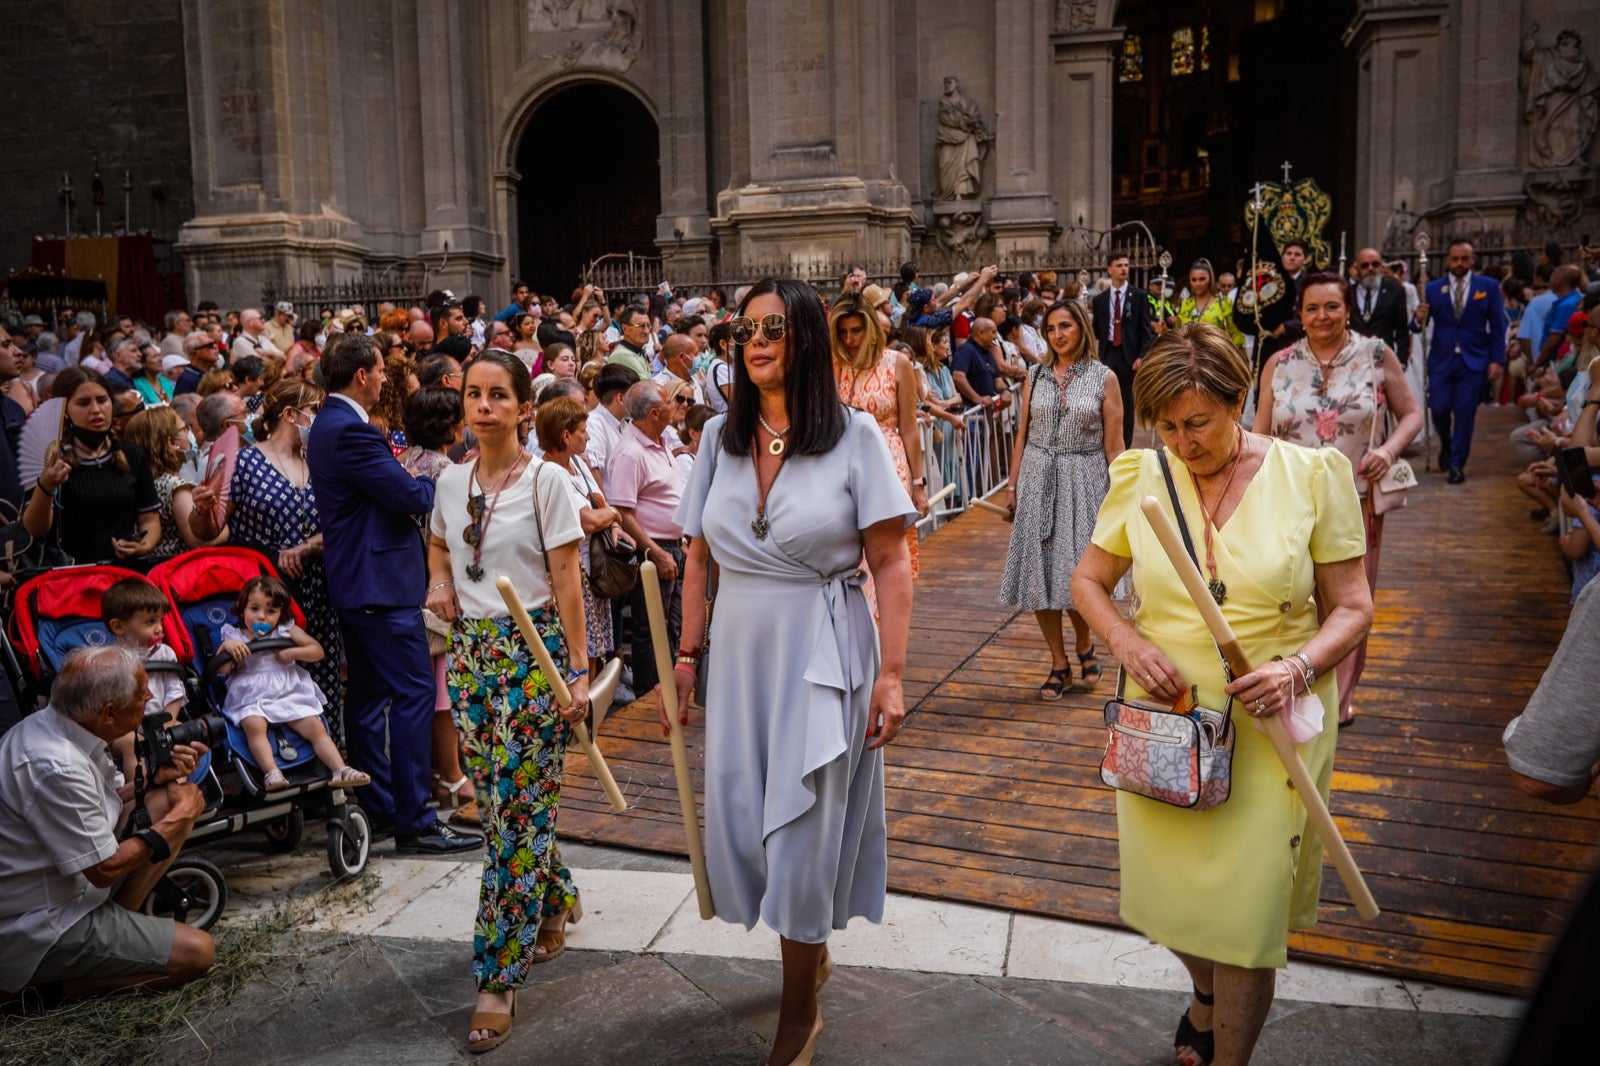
(109, 941)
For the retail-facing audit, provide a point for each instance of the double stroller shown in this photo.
(59, 611)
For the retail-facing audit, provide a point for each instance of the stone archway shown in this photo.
(589, 161)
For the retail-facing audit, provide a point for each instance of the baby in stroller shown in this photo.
(273, 688)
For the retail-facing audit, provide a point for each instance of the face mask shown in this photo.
(305, 430)
(90, 438)
(246, 434)
(194, 445)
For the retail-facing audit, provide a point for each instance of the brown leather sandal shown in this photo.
(495, 1022)
(552, 937)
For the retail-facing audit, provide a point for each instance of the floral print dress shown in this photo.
(1336, 409)
(874, 391)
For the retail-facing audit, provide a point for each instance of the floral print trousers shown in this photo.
(515, 742)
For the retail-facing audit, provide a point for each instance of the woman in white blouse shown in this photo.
(485, 525)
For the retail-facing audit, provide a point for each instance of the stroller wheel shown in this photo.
(193, 892)
(349, 841)
(284, 834)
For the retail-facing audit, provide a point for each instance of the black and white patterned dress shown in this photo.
(1060, 486)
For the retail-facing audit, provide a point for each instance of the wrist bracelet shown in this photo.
(689, 660)
(160, 850)
(577, 674)
(441, 585)
(1114, 628)
(1311, 671)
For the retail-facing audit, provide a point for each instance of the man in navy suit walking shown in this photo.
(377, 577)
(1469, 342)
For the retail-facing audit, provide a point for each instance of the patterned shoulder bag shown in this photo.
(1182, 755)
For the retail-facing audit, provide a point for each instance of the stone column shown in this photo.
(1401, 113)
(683, 229)
(820, 184)
(1081, 83)
(458, 240)
(1022, 215)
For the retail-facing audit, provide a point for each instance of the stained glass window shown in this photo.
(1205, 47)
(1182, 51)
(1131, 66)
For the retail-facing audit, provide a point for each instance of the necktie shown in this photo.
(1366, 303)
(1116, 318)
(1461, 295)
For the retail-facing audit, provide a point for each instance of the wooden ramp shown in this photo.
(994, 797)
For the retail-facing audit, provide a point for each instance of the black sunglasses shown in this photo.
(743, 329)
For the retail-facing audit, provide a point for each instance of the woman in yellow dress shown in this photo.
(1272, 523)
(1203, 303)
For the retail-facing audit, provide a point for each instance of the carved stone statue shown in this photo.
(605, 33)
(961, 233)
(1559, 86)
(963, 142)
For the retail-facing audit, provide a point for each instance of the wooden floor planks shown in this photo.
(994, 798)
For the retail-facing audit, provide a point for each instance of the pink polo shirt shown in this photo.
(641, 475)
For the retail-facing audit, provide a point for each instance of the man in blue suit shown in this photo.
(376, 581)
(1469, 341)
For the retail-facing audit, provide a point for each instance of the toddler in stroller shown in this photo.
(273, 688)
(134, 609)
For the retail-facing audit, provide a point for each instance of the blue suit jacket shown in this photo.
(1480, 335)
(365, 500)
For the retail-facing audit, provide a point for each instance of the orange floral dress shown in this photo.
(874, 392)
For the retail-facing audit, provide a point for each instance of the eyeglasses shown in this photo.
(743, 329)
(1369, 264)
(475, 509)
(683, 400)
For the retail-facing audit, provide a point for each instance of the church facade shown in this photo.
(462, 145)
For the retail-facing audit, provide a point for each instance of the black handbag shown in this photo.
(613, 565)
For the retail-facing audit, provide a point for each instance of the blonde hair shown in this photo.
(872, 345)
(1195, 356)
(1080, 315)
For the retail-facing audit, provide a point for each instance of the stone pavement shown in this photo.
(388, 979)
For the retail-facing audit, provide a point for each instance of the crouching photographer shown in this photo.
(71, 879)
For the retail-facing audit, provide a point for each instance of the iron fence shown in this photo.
(367, 291)
(1083, 260)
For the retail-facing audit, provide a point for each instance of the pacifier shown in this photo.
(261, 629)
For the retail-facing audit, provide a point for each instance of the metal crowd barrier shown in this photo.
(976, 458)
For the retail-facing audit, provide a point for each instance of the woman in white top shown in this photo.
(485, 526)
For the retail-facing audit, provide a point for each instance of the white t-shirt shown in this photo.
(721, 373)
(165, 687)
(511, 540)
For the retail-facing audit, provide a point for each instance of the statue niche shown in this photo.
(1559, 100)
(963, 143)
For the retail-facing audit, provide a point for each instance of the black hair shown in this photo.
(613, 378)
(432, 414)
(246, 367)
(308, 332)
(457, 347)
(434, 367)
(348, 353)
(718, 336)
(812, 395)
(686, 324)
(1009, 326)
(1114, 256)
(1296, 242)
(624, 317)
(472, 306)
(908, 271)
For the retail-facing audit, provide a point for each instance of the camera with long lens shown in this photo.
(160, 737)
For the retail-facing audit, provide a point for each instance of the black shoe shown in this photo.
(437, 839)
(1455, 477)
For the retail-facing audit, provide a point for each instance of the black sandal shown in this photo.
(1055, 684)
(1091, 666)
(1204, 1043)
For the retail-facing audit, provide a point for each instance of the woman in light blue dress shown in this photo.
(790, 489)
